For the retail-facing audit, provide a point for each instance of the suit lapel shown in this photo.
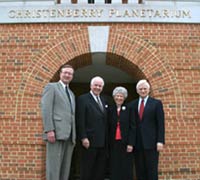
(95, 103)
(121, 116)
(72, 99)
(62, 91)
(137, 110)
(147, 105)
(104, 105)
(64, 95)
(114, 115)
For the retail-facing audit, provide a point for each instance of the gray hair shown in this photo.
(96, 78)
(143, 81)
(120, 90)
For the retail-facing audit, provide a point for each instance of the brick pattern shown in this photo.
(168, 55)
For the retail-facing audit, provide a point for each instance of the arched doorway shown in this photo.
(101, 65)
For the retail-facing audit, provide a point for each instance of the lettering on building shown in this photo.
(98, 13)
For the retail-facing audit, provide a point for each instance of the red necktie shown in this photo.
(141, 109)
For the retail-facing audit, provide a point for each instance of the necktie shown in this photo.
(141, 109)
(99, 103)
(68, 95)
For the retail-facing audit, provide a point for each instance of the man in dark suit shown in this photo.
(58, 109)
(92, 127)
(150, 137)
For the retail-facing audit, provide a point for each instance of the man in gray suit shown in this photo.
(58, 113)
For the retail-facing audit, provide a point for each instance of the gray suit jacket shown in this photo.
(56, 112)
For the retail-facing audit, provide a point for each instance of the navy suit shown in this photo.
(150, 131)
(92, 124)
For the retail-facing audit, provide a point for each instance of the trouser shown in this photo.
(93, 163)
(146, 163)
(58, 160)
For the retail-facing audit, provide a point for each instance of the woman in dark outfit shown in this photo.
(122, 137)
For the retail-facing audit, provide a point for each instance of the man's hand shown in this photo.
(51, 136)
(85, 143)
(159, 147)
(129, 148)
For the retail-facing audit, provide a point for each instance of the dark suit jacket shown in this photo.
(151, 128)
(127, 125)
(91, 121)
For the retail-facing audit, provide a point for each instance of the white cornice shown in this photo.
(148, 12)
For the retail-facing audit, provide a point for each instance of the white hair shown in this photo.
(120, 90)
(143, 81)
(96, 78)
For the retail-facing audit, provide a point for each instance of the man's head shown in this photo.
(143, 88)
(96, 85)
(66, 73)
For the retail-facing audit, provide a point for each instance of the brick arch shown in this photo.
(69, 46)
(138, 57)
(141, 58)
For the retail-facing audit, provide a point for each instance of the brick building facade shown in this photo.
(167, 54)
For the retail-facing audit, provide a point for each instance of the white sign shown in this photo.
(101, 13)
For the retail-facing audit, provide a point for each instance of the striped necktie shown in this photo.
(99, 103)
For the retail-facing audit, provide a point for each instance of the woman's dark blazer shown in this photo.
(127, 125)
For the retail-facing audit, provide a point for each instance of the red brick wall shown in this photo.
(31, 54)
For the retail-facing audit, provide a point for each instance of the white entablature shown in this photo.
(51, 2)
(148, 11)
